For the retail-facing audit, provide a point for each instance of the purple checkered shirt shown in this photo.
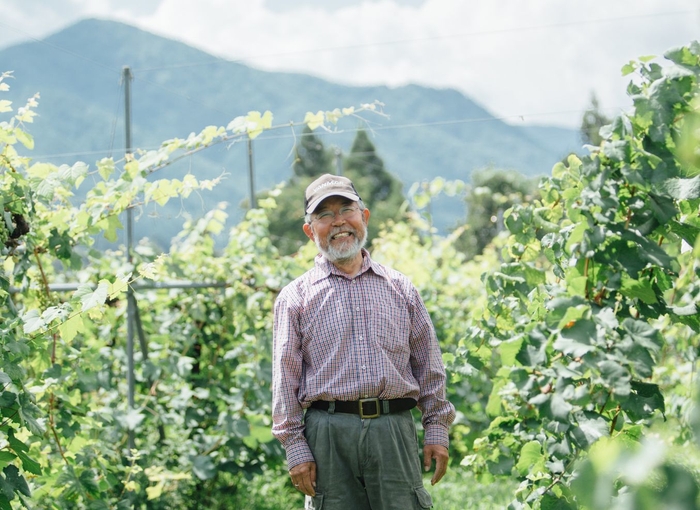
(340, 338)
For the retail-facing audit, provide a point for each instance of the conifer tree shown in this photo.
(312, 158)
(381, 192)
(593, 120)
(491, 193)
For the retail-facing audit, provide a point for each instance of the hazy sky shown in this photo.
(535, 61)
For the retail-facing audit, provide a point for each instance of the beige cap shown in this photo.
(326, 186)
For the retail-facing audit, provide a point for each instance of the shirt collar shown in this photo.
(323, 267)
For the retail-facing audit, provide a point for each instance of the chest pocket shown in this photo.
(391, 327)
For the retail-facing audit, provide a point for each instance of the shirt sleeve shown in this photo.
(287, 368)
(438, 413)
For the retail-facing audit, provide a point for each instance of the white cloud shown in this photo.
(25, 20)
(515, 58)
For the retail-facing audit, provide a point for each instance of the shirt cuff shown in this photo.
(437, 434)
(298, 453)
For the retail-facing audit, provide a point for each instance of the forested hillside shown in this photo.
(178, 89)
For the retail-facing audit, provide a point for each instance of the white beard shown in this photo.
(345, 254)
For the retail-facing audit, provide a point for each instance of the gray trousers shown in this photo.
(365, 464)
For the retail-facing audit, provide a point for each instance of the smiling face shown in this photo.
(341, 235)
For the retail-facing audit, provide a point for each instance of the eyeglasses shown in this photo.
(344, 213)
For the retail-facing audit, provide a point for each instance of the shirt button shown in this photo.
(357, 309)
(363, 367)
(360, 337)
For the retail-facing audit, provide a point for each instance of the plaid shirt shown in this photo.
(340, 338)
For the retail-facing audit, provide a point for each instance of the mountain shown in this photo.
(178, 89)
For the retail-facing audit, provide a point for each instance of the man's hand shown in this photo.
(441, 456)
(304, 477)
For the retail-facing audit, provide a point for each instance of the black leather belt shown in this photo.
(367, 407)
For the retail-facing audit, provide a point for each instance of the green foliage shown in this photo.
(598, 282)
(287, 217)
(459, 489)
(490, 194)
(593, 121)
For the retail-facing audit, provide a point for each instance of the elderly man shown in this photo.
(354, 351)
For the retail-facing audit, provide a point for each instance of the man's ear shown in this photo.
(365, 215)
(309, 231)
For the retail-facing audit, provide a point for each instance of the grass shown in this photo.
(459, 490)
(456, 491)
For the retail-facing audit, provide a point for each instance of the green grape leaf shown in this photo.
(31, 415)
(639, 289)
(257, 123)
(16, 480)
(113, 224)
(643, 334)
(105, 167)
(90, 298)
(24, 138)
(71, 327)
(88, 480)
(577, 339)
(6, 458)
(508, 350)
(75, 174)
(314, 120)
(533, 350)
(531, 458)
(589, 429)
(203, 467)
(682, 189)
(615, 376)
(32, 322)
(645, 398)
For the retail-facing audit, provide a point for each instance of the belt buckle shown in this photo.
(377, 409)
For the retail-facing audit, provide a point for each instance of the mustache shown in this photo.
(342, 230)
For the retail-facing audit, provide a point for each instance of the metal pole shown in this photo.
(251, 175)
(338, 161)
(130, 300)
(141, 334)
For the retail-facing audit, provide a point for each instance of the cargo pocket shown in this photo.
(315, 502)
(423, 498)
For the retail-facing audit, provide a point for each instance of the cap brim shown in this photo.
(312, 206)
